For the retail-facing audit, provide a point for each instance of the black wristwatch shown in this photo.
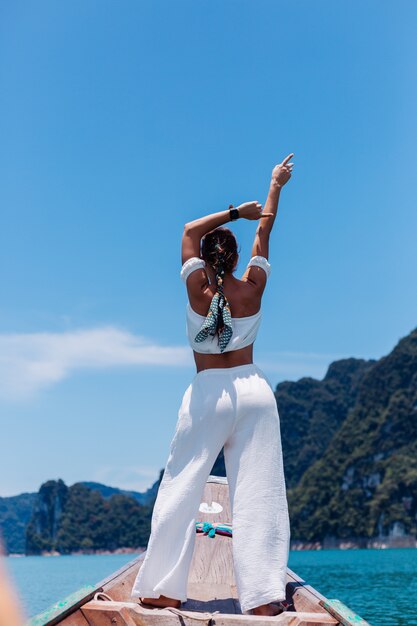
(234, 213)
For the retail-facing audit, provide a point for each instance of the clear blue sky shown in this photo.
(119, 122)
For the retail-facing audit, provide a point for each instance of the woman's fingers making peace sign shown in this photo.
(280, 175)
(252, 210)
(287, 158)
(282, 172)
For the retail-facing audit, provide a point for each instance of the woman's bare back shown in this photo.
(243, 302)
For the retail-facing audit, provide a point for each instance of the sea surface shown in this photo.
(378, 584)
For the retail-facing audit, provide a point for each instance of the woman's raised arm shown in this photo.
(280, 175)
(194, 231)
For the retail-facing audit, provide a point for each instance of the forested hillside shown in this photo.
(365, 483)
(68, 519)
(44, 508)
(15, 513)
(311, 411)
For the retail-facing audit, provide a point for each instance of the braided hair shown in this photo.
(219, 250)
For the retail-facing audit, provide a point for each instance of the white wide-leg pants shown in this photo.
(234, 407)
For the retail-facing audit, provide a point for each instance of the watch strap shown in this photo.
(234, 213)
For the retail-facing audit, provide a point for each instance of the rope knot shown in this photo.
(209, 528)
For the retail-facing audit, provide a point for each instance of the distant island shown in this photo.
(350, 456)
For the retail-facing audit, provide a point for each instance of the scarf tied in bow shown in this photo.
(219, 317)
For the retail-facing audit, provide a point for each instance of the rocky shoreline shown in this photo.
(332, 543)
(381, 543)
(81, 552)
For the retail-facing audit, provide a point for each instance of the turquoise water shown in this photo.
(380, 585)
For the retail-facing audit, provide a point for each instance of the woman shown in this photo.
(11, 612)
(231, 404)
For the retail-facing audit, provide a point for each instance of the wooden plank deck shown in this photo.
(212, 594)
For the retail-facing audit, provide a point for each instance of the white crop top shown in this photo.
(245, 328)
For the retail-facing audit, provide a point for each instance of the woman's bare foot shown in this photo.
(162, 601)
(267, 609)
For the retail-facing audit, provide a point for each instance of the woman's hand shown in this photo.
(252, 210)
(281, 173)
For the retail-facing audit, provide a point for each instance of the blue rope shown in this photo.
(210, 529)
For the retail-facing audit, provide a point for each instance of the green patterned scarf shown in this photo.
(219, 316)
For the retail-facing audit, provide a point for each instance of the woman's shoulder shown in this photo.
(246, 302)
(202, 303)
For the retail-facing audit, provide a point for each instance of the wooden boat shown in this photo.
(212, 595)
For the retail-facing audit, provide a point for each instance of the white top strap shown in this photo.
(261, 261)
(194, 263)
